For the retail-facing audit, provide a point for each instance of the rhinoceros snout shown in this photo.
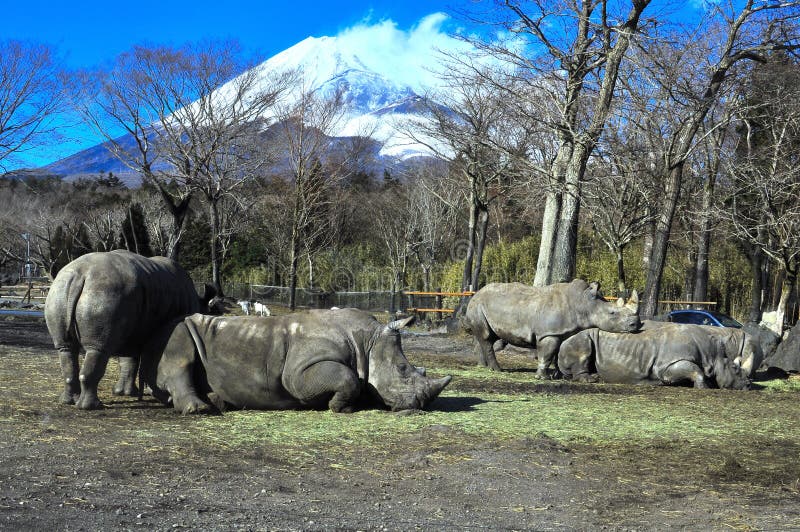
(424, 393)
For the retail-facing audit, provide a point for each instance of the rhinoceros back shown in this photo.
(520, 313)
(115, 300)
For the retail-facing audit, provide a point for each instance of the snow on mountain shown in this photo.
(382, 71)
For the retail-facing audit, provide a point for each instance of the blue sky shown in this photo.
(91, 32)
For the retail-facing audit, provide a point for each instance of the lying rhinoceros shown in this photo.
(542, 317)
(283, 362)
(108, 304)
(750, 355)
(662, 355)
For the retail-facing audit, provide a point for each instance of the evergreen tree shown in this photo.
(134, 236)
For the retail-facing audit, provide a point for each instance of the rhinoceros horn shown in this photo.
(435, 387)
(633, 302)
(396, 325)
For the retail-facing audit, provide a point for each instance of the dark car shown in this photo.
(703, 317)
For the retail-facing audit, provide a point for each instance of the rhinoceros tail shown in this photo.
(60, 308)
(201, 348)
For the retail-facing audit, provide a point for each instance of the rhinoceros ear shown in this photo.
(398, 324)
(633, 302)
(593, 292)
(208, 294)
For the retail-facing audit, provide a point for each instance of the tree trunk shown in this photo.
(552, 211)
(688, 278)
(310, 270)
(786, 291)
(216, 259)
(621, 282)
(466, 277)
(757, 287)
(550, 217)
(658, 257)
(647, 245)
(566, 244)
(704, 240)
(293, 276)
(480, 244)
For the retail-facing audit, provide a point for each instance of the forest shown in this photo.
(596, 139)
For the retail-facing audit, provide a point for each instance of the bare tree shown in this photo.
(616, 196)
(303, 130)
(470, 128)
(693, 78)
(212, 137)
(31, 93)
(570, 52)
(764, 204)
(193, 118)
(433, 217)
(713, 150)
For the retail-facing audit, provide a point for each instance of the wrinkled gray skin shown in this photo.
(671, 354)
(542, 317)
(107, 304)
(750, 355)
(301, 360)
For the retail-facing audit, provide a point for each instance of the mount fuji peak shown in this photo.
(377, 93)
(381, 80)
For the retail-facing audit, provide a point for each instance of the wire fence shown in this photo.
(314, 298)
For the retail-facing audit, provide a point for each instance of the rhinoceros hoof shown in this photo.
(89, 403)
(69, 398)
(341, 409)
(586, 377)
(195, 406)
(130, 392)
(217, 401)
(543, 376)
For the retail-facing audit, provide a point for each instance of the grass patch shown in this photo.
(478, 406)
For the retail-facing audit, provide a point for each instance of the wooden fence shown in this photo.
(412, 299)
(29, 292)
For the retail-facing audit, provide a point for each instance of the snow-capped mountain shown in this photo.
(382, 89)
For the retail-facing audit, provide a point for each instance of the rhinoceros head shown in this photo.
(393, 379)
(621, 316)
(729, 374)
(752, 356)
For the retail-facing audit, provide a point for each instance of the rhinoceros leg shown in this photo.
(546, 351)
(324, 378)
(486, 354)
(175, 376)
(126, 385)
(575, 359)
(684, 370)
(94, 366)
(68, 359)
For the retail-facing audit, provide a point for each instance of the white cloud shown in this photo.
(407, 56)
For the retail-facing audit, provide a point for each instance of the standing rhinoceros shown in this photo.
(542, 317)
(662, 355)
(108, 304)
(292, 361)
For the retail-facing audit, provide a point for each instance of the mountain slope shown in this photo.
(376, 99)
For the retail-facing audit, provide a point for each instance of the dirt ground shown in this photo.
(63, 469)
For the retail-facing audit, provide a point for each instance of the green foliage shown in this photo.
(596, 262)
(511, 261)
